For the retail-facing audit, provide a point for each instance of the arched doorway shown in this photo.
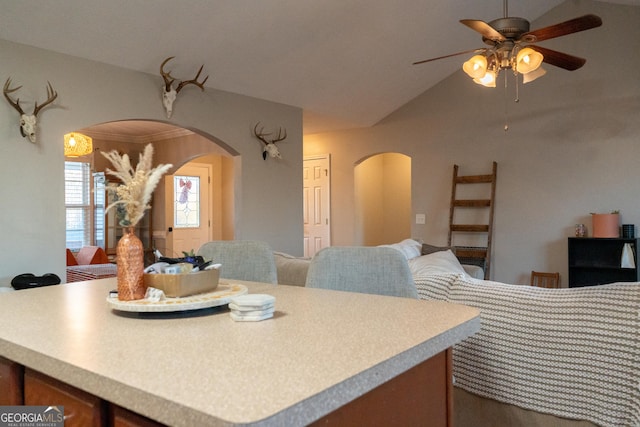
(382, 199)
(177, 146)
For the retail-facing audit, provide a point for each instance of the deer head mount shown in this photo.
(169, 93)
(28, 121)
(270, 146)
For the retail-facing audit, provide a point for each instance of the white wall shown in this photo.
(32, 223)
(572, 147)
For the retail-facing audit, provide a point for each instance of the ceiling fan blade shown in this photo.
(575, 25)
(487, 31)
(559, 59)
(448, 56)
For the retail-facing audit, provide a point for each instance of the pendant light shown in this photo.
(77, 144)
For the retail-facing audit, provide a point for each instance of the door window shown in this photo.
(186, 201)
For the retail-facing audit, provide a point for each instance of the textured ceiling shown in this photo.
(346, 63)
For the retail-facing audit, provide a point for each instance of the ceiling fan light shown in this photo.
(476, 67)
(531, 76)
(528, 60)
(488, 80)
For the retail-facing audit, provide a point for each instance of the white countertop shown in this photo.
(321, 350)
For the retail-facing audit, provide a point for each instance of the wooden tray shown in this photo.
(183, 285)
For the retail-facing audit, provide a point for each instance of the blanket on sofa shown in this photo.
(573, 353)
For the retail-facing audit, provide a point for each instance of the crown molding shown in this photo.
(139, 139)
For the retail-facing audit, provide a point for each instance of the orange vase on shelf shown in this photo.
(130, 260)
(606, 225)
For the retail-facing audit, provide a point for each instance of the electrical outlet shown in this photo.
(421, 218)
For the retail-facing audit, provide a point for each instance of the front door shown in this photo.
(191, 218)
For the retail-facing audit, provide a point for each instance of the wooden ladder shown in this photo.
(476, 255)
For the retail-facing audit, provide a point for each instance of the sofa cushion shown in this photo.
(408, 247)
(71, 259)
(92, 255)
(474, 271)
(291, 270)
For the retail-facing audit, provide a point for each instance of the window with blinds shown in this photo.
(77, 195)
(99, 205)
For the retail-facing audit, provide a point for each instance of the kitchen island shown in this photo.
(323, 353)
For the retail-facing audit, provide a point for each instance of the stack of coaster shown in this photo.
(252, 307)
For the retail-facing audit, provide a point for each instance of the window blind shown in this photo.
(77, 195)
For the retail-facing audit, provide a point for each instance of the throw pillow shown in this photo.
(441, 262)
(429, 249)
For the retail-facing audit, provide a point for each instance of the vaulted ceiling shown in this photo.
(346, 63)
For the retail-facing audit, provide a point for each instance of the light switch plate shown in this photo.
(421, 218)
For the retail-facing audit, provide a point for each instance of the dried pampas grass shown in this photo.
(134, 194)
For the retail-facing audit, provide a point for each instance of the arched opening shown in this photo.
(185, 149)
(382, 199)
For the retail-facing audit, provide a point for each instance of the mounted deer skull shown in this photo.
(28, 121)
(270, 146)
(169, 93)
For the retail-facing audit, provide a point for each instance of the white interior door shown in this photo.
(191, 208)
(316, 209)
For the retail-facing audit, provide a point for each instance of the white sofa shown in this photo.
(543, 357)
(292, 270)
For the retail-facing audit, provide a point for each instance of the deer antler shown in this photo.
(193, 81)
(28, 122)
(262, 136)
(169, 79)
(270, 146)
(51, 96)
(7, 91)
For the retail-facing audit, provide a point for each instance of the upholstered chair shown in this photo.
(369, 270)
(250, 260)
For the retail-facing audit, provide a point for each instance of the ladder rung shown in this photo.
(478, 203)
(474, 179)
(470, 228)
(471, 253)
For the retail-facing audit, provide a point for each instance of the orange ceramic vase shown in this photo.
(130, 260)
(606, 225)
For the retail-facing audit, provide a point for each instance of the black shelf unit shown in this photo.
(596, 261)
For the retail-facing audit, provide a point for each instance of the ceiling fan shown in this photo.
(511, 46)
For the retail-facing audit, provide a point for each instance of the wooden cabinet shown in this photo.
(121, 417)
(80, 408)
(423, 395)
(20, 386)
(11, 378)
(420, 396)
(596, 261)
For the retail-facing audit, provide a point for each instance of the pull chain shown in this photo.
(506, 104)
